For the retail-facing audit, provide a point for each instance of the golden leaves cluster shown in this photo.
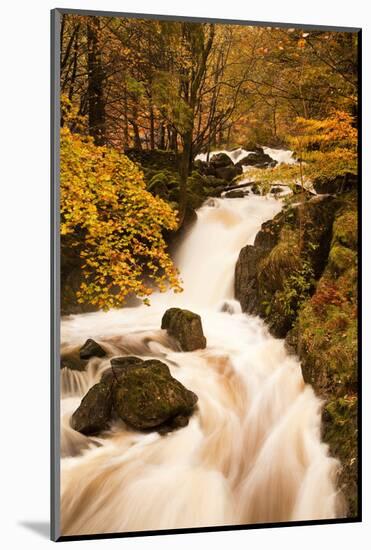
(114, 223)
(327, 148)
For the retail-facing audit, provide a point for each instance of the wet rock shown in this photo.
(274, 276)
(220, 160)
(70, 359)
(94, 412)
(220, 168)
(230, 306)
(245, 283)
(228, 173)
(180, 421)
(186, 327)
(236, 194)
(147, 396)
(258, 159)
(175, 423)
(255, 189)
(118, 365)
(91, 349)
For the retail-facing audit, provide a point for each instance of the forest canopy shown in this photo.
(135, 87)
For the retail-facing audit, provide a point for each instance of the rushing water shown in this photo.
(280, 155)
(252, 451)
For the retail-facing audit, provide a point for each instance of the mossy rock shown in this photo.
(164, 184)
(195, 201)
(214, 182)
(341, 258)
(228, 173)
(186, 327)
(340, 431)
(118, 366)
(141, 393)
(258, 158)
(345, 229)
(70, 359)
(94, 412)
(147, 396)
(220, 160)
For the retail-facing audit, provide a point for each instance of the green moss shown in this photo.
(325, 336)
(285, 280)
(282, 260)
(146, 395)
(341, 258)
(345, 227)
(340, 432)
(186, 327)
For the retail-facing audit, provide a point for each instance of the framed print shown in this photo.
(205, 242)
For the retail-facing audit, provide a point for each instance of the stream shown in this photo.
(252, 451)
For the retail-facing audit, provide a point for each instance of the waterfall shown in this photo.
(282, 156)
(251, 453)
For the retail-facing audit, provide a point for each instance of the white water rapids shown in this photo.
(252, 451)
(282, 156)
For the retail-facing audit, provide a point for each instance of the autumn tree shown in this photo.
(115, 225)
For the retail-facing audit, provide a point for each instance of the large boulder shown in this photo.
(245, 283)
(258, 159)
(147, 396)
(141, 393)
(91, 349)
(278, 272)
(246, 287)
(186, 327)
(219, 167)
(221, 160)
(118, 365)
(228, 173)
(94, 412)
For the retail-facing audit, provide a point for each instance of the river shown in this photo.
(251, 453)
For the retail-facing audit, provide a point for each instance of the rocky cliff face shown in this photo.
(279, 271)
(301, 277)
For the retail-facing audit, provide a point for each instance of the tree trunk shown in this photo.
(173, 139)
(185, 168)
(74, 66)
(133, 122)
(161, 141)
(126, 120)
(96, 111)
(151, 126)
